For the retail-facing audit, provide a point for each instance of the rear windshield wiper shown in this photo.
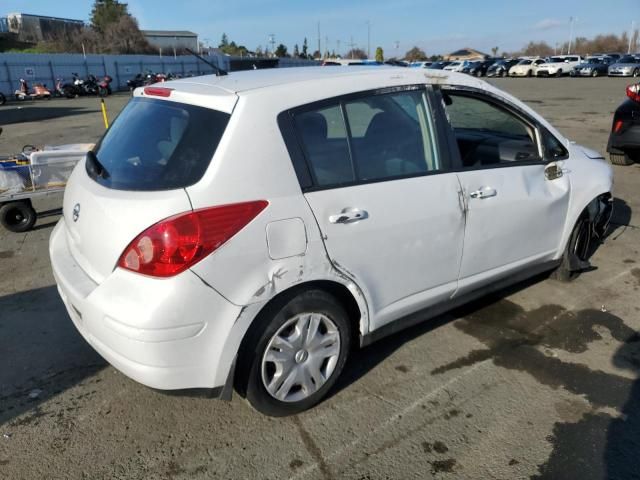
(94, 167)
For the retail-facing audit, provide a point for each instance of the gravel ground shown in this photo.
(541, 381)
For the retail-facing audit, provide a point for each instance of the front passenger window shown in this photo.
(488, 135)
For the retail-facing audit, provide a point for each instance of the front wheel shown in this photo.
(530, 73)
(17, 217)
(559, 73)
(102, 92)
(577, 251)
(595, 73)
(636, 72)
(294, 353)
(3, 99)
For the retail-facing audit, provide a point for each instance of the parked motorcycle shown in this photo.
(39, 91)
(104, 86)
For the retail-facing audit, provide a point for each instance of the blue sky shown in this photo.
(434, 25)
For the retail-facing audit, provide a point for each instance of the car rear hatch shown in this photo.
(162, 142)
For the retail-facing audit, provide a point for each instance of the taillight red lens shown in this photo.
(177, 243)
(633, 92)
(617, 126)
(158, 91)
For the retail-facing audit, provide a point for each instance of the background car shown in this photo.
(478, 68)
(456, 66)
(501, 68)
(439, 65)
(527, 67)
(558, 66)
(425, 64)
(624, 139)
(626, 66)
(592, 67)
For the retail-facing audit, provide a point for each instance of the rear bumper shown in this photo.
(628, 139)
(164, 333)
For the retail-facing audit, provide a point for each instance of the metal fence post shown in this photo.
(104, 66)
(182, 63)
(53, 75)
(6, 65)
(115, 63)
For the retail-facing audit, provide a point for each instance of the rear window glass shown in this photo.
(158, 145)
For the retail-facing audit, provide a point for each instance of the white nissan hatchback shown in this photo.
(250, 229)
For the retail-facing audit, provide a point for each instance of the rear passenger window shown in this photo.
(324, 140)
(487, 134)
(371, 138)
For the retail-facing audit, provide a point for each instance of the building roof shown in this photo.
(464, 52)
(168, 33)
(45, 17)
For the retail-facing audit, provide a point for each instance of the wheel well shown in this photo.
(339, 291)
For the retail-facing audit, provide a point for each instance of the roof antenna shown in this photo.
(219, 72)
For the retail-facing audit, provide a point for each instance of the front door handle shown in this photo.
(349, 215)
(484, 192)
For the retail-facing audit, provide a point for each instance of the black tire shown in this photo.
(530, 73)
(249, 375)
(595, 73)
(636, 72)
(17, 217)
(102, 92)
(3, 99)
(580, 244)
(620, 159)
(503, 73)
(559, 73)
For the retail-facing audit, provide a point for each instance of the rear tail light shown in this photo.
(633, 92)
(617, 126)
(179, 242)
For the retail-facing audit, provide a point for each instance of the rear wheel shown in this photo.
(17, 216)
(620, 159)
(530, 73)
(294, 353)
(3, 99)
(636, 72)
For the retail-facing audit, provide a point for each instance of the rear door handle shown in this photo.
(349, 215)
(484, 192)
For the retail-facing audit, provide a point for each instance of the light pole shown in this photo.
(571, 20)
(631, 35)
(368, 39)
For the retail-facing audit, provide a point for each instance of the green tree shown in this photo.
(415, 55)
(107, 12)
(281, 50)
(305, 48)
(296, 51)
(224, 41)
(379, 55)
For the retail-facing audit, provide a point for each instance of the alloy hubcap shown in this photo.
(300, 357)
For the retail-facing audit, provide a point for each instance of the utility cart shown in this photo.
(32, 174)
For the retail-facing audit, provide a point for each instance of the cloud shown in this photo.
(549, 23)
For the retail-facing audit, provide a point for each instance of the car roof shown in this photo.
(244, 81)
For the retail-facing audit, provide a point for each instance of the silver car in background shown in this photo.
(627, 66)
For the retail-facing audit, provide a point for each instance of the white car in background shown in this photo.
(456, 66)
(252, 229)
(527, 67)
(558, 66)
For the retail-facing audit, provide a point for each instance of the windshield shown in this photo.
(555, 60)
(157, 145)
(593, 60)
(627, 59)
(525, 62)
